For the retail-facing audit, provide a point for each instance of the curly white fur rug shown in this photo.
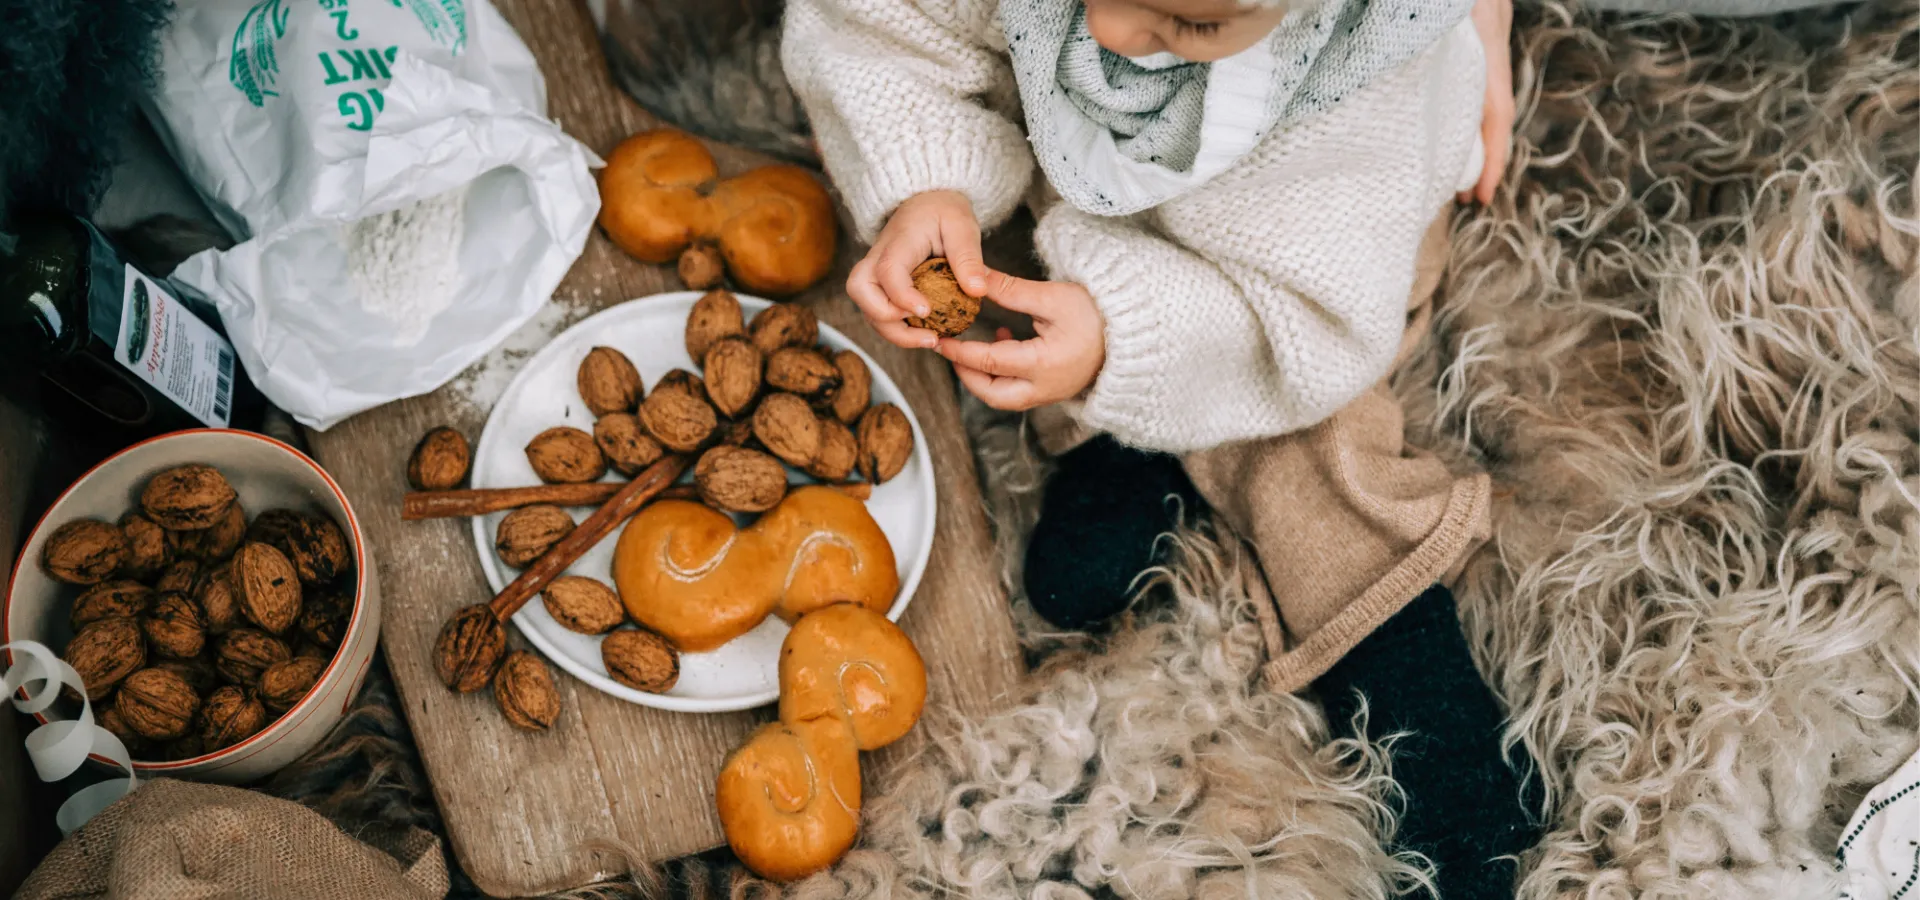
(1686, 342)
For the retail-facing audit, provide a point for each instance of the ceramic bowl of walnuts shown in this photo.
(210, 588)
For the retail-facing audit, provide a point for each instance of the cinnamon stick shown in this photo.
(627, 499)
(480, 501)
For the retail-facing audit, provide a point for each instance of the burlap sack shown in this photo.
(175, 840)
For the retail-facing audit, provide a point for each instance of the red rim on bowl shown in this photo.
(254, 743)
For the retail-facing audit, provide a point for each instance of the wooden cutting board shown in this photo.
(525, 811)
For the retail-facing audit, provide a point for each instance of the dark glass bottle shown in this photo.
(119, 357)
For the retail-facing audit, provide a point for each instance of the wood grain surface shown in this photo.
(526, 812)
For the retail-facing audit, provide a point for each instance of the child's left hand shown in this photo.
(1493, 21)
(1058, 363)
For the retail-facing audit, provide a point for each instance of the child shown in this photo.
(1243, 211)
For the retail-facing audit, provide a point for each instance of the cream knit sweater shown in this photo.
(1256, 305)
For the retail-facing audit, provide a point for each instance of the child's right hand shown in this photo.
(936, 223)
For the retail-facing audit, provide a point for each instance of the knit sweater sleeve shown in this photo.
(899, 94)
(1274, 296)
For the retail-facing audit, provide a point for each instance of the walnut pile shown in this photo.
(185, 606)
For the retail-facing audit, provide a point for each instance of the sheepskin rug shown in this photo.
(1686, 342)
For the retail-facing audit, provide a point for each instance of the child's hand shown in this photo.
(936, 223)
(1061, 360)
(1493, 20)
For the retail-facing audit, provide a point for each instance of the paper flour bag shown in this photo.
(401, 199)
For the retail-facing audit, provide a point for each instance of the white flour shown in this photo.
(405, 265)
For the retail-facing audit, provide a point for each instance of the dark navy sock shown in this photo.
(1100, 521)
(1464, 806)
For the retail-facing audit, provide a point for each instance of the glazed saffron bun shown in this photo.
(661, 193)
(685, 570)
(849, 662)
(789, 798)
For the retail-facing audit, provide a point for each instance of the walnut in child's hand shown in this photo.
(1058, 363)
(933, 224)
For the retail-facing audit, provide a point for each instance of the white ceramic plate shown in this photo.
(651, 332)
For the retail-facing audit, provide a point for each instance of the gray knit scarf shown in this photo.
(1116, 135)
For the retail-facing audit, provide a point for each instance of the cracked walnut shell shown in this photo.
(641, 660)
(715, 316)
(949, 309)
(440, 461)
(527, 533)
(185, 498)
(267, 586)
(736, 479)
(84, 551)
(608, 382)
(886, 440)
(583, 605)
(524, 689)
(787, 426)
(565, 455)
(157, 704)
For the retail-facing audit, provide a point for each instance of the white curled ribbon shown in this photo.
(60, 747)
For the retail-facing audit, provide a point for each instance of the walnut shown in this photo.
(311, 541)
(324, 618)
(524, 689)
(850, 399)
(736, 479)
(625, 443)
(219, 605)
(886, 440)
(701, 267)
(198, 671)
(175, 629)
(157, 704)
(243, 653)
(641, 660)
(684, 382)
(802, 370)
(469, 647)
(679, 419)
(84, 551)
(187, 497)
(715, 315)
(213, 543)
(608, 382)
(788, 428)
(147, 552)
(583, 605)
(110, 599)
(285, 682)
(108, 717)
(183, 577)
(737, 433)
(440, 461)
(231, 715)
(733, 368)
(838, 452)
(784, 325)
(527, 533)
(267, 586)
(565, 455)
(106, 652)
(950, 310)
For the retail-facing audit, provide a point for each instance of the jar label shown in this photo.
(171, 349)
